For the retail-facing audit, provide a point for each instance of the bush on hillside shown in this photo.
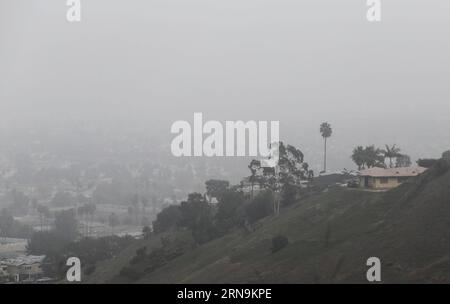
(279, 242)
(167, 219)
(260, 207)
(426, 162)
(289, 194)
(131, 273)
(140, 256)
(229, 211)
(441, 167)
(89, 270)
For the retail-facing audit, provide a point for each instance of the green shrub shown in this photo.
(279, 242)
(426, 162)
(89, 270)
(140, 256)
(131, 273)
(441, 167)
(260, 207)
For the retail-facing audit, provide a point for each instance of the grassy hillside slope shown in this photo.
(331, 235)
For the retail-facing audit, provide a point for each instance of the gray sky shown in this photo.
(142, 64)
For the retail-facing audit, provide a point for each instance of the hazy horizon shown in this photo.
(136, 67)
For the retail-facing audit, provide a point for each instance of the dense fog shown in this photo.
(133, 68)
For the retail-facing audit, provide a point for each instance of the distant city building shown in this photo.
(387, 178)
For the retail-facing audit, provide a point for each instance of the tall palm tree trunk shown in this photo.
(325, 156)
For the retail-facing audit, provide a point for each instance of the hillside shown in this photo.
(330, 235)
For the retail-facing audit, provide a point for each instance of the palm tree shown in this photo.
(325, 131)
(135, 204)
(358, 157)
(47, 216)
(147, 232)
(44, 214)
(144, 202)
(90, 211)
(113, 221)
(40, 210)
(390, 153)
(81, 212)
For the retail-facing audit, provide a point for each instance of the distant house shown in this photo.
(4, 275)
(382, 178)
(24, 268)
